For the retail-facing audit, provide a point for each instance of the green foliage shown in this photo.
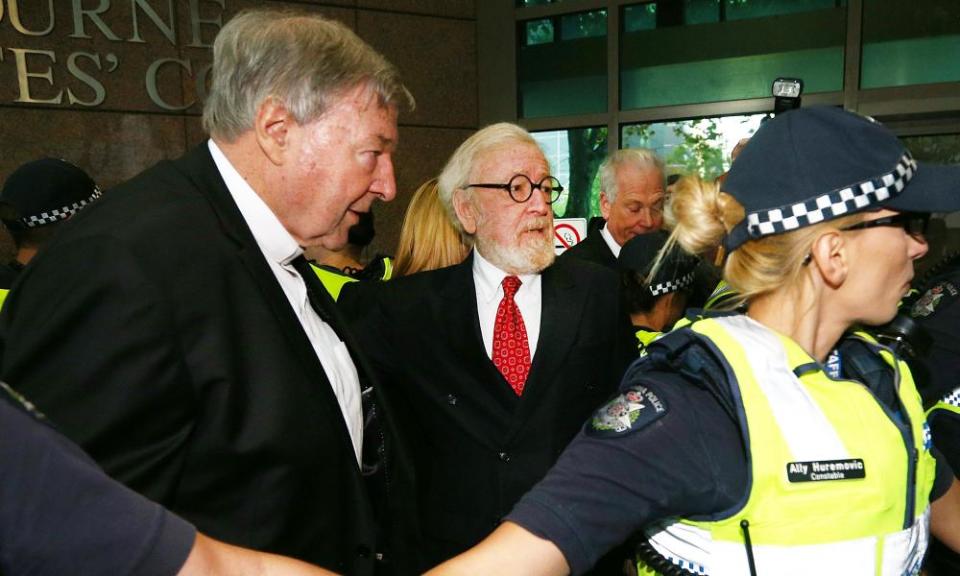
(594, 196)
(584, 25)
(588, 148)
(639, 132)
(701, 148)
(940, 149)
(696, 146)
(539, 32)
(571, 26)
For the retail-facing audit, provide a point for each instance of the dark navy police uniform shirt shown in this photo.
(60, 514)
(686, 460)
(937, 310)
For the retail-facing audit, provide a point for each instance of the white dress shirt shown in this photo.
(488, 280)
(611, 243)
(279, 248)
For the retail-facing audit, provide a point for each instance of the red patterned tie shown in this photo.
(511, 352)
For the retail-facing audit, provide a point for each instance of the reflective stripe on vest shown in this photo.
(645, 337)
(332, 281)
(722, 295)
(387, 269)
(811, 508)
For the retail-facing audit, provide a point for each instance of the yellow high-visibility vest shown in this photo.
(838, 483)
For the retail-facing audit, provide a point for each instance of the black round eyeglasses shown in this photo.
(521, 188)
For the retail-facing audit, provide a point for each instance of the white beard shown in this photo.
(528, 255)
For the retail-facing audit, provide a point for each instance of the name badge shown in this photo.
(823, 470)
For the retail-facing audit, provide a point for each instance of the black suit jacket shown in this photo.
(594, 249)
(153, 332)
(480, 447)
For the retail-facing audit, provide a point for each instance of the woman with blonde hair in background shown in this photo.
(428, 239)
(780, 441)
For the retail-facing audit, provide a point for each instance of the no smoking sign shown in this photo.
(568, 232)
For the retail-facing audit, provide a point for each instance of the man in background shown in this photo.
(631, 203)
(191, 350)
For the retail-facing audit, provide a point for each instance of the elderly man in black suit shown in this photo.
(174, 329)
(631, 202)
(498, 360)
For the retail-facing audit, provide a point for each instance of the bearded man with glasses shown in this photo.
(497, 360)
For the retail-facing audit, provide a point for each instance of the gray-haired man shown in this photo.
(170, 332)
(631, 202)
(496, 361)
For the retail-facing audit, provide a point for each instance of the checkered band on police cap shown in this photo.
(62, 213)
(676, 270)
(833, 204)
(815, 164)
(671, 285)
(46, 191)
(953, 398)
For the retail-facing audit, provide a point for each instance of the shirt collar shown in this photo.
(611, 243)
(488, 278)
(273, 239)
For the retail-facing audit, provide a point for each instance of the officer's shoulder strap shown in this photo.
(860, 353)
(683, 350)
(694, 358)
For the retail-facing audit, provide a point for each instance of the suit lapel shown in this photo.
(562, 302)
(466, 340)
(600, 248)
(201, 169)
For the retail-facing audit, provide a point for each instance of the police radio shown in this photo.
(904, 335)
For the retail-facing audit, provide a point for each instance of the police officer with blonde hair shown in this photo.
(783, 440)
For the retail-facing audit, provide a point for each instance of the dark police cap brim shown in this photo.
(933, 188)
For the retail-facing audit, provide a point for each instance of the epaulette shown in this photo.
(682, 351)
(862, 362)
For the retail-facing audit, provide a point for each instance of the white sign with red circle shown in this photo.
(568, 232)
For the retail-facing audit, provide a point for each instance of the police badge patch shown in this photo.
(927, 303)
(628, 412)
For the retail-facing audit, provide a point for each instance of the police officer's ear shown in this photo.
(466, 210)
(272, 127)
(830, 255)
